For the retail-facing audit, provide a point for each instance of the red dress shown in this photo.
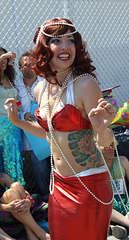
(74, 214)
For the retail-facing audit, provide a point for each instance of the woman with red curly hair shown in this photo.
(71, 111)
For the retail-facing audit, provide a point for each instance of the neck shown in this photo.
(62, 77)
(29, 82)
(2, 74)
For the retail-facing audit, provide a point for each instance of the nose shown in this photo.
(64, 45)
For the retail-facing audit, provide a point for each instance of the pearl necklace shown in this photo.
(58, 95)
(7, 89)
(53, 139)
(64, 71)
(49, 117)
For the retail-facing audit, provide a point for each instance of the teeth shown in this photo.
(64, 56)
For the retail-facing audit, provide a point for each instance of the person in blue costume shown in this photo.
(11, 141)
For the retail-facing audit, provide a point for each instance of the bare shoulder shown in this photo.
(87, 83)
(124, 160)
(87, 91)
(86, 79)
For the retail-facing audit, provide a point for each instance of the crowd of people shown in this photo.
(12, 145)
(59, 101)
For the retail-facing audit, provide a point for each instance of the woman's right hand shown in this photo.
(10, 55)
(11, 207)
(12, 109)
(31, 127)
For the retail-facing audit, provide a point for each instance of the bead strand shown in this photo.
(58, 97)
(56, 36)
(51, 187)
(59, 93)
(68, 69)
(50, 124)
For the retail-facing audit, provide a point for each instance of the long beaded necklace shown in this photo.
(82, 75)
(53, 139)
(49, 117)
(7, 89)
(29, 90)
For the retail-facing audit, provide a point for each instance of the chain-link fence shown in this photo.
(104, 25)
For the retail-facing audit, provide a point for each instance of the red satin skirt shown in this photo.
(74, 214)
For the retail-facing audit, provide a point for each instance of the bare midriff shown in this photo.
(79, 150)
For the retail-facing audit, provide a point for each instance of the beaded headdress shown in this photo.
(42, 28)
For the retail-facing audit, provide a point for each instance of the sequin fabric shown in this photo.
(11, 149)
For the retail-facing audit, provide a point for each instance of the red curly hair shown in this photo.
(42, 54)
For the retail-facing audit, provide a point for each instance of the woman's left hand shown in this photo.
(101, 116)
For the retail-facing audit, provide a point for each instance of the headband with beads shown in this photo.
(42, 28)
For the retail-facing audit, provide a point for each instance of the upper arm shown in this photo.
(90, 93)
(5, 179)
(125, 164)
